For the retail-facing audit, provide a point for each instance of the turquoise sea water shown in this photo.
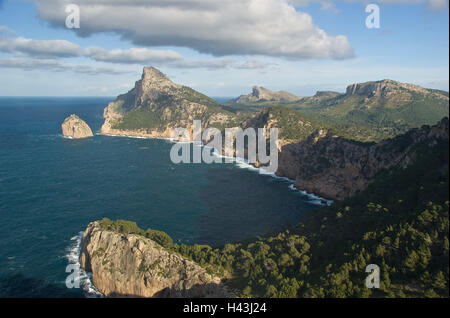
(52, 187)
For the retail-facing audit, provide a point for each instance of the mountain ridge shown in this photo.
(261, 94)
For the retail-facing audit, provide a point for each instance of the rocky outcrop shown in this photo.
(74, 127)
(383, 88)
(337, 168)
(261, 94)
(134, 266)
(160, 106)
(390, 94)
(326, 94)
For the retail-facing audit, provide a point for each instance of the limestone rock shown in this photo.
(134, 266)
(164, 105)
(261, 94)
(74, 127)
(337, 168)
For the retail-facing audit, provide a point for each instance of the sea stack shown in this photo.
(76, 128)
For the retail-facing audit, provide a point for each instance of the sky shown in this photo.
(220, 48)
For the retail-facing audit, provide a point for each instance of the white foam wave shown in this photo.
(135, 137)
(313, 198)
(85, 279)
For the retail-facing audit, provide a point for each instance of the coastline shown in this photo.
(240, 162)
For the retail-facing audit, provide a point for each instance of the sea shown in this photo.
(51, 187)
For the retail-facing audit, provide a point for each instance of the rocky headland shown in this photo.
(156, 105)
(337, 168)
(131, 265)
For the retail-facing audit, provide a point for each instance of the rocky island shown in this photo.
(76, 128)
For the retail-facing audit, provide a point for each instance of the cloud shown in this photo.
(28, 64)
(39, 48)
(239, 27)
(434, 5)
(438, 5)
(51, 50)
(132, 55)
(4, 31)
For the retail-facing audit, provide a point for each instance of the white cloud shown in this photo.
(55, 66)
(238, 27)
(39, 48)
(50, 50)
(435, 5)
(131, 56)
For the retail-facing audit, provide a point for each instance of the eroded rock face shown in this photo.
(74, 127)
(134, 266)
(337, 168)
(171, 104)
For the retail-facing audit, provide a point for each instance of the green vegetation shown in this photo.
(293, 125)
(128, 227)
(140, 118)
(373, 118)
(367, 116)
(400, 223)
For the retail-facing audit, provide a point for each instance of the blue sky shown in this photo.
(316, 47)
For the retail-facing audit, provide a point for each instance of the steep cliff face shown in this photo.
(134, 266)
(156, 105)
(74, 127)
(337, 168)
(387, 88)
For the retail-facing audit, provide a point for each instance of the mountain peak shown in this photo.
(258, 91)
(152, 73)
(152, 78)
(382, 88)
(261, 94)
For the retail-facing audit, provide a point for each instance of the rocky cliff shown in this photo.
(337, 168)
(156, 105)
(261, 94)
(134, 266)
(74, 127)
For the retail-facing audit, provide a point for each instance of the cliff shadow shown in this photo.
(210, 290)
